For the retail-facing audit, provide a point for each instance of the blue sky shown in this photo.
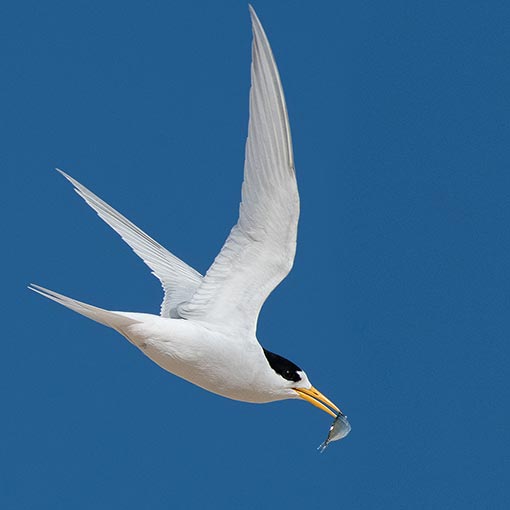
(398, 303)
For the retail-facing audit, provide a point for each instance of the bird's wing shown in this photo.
(179, 280)
(260, 249)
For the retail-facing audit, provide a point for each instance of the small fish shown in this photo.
(338, 430)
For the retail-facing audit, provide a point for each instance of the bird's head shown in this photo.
(295, 384)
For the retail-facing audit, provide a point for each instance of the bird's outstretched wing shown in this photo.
(179, 280)
(260, 249)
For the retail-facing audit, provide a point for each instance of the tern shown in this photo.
(206, 330)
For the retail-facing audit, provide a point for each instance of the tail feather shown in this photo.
(115, 320)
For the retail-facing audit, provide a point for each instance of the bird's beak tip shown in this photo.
(316, 398)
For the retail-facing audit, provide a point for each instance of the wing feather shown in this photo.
(179, 281)
(260, 249)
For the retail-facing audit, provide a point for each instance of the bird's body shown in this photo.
(215, 361)
(222, 362)
(206, 332)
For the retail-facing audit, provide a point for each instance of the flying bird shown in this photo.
(206, 331)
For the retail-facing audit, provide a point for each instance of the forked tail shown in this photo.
(115, 320)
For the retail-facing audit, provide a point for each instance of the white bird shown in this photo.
(206, 332)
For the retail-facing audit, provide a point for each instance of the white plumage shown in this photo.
(206, 332)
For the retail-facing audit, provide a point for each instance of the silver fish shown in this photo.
(338, 430)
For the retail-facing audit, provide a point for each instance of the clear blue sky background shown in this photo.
(398, 304)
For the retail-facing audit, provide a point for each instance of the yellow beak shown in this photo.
(316, 398)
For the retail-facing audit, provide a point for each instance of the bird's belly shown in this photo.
(214, 362)
(224, 382)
